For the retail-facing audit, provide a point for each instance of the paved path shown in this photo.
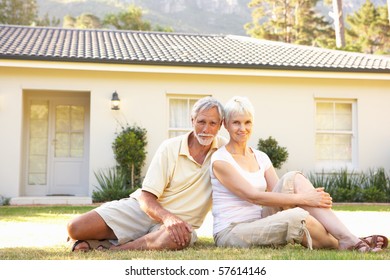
(41, 235)
(361, 223)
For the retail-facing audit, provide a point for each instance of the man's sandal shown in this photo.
(92, 245)
(373, 241)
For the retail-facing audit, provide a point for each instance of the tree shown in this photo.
(294, 21)
(383, 29)
(130, 152)
(69, 22)
(47, 21)
(84, 21)
(18, 12)
(310, 27)
(388, 10)
(338, 18)
(23, 12)
(131, 19)
(163, 29)
(368, 29)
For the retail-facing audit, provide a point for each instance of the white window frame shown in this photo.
(188, 98)
(331, 165)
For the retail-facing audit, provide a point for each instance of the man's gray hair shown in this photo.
(207, 103)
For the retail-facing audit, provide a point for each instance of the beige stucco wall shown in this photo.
(10, 130)
(284, 107)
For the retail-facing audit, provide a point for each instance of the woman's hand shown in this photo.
(318, 198)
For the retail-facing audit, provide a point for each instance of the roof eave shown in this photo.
(198, 64)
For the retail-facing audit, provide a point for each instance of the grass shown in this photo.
(41, 214)
(203, 250)
(362, 207)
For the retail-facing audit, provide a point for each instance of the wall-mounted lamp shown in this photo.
(115, 101)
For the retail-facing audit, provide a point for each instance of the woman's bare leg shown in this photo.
(327, 217)
(321, 239)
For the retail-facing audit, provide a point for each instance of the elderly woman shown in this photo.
(252, 207)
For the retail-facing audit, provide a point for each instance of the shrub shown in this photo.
(320, 180)
(112, 185)
(130, 153)
(3, 200)
(342, 185)
(277, 154)
(376, 186)
(345, 186)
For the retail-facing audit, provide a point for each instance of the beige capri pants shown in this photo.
(277, 227)
(128, 221)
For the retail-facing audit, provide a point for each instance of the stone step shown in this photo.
(51, 200)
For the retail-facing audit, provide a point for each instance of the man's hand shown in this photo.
(179, 230)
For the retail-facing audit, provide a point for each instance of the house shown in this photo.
(330, 109)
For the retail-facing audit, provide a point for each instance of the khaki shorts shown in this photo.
(275, 228)
(128, 221)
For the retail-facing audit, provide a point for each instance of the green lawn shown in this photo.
(203, 250)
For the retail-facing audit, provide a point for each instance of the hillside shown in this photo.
(189, 16)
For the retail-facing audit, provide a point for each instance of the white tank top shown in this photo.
(227, 207)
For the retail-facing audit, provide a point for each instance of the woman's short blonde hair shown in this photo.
(240, 105)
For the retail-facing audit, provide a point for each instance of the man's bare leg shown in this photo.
(157, 240)
(89, 226)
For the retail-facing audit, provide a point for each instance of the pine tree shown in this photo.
(294, 21)
(368, 29)
(383, 27)
(388, 10)
(312, 28)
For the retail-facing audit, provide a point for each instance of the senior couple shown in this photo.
(251, 206)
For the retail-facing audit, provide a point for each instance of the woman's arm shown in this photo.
(232, 180)
(271, 178)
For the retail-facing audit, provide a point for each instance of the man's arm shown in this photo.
(178, 229)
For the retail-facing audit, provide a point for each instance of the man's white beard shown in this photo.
(205, 142)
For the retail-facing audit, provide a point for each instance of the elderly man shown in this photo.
(173, 201)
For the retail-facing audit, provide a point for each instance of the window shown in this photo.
(180, 114)
(335, 134)
(38, 145)
(69, 131)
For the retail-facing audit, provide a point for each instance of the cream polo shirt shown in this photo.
(181, 185)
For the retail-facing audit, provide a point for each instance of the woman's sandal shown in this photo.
(92, 245)
(373, 241)
(359, 246)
